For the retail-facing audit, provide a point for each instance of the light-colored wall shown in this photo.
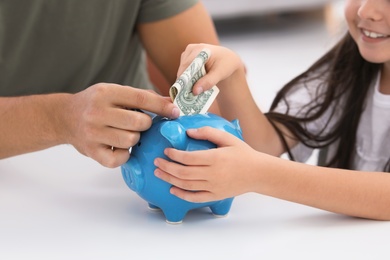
(231, 8)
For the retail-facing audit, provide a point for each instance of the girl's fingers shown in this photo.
(216, 136)
(190, 158)
(190, 190)
(192, 185)
(201, 157)
(180, 171)
(187, 57)
(205, 83)
(193, 196)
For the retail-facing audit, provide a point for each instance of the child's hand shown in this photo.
(208, 175)
(221, 65)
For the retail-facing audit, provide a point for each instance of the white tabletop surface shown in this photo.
(58, 204)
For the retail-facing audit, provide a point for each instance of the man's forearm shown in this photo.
(31, 123)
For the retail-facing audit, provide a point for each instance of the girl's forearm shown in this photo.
(236, 102)
(354, 193)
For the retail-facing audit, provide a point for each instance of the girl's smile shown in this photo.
(369, 25)
(373, 35)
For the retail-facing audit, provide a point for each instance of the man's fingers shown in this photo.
(127, 119)
(142, 99)
(118, 138)
(110, 157)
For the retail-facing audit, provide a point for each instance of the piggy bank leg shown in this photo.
(153, 207)
(174, 216)
(221, 208)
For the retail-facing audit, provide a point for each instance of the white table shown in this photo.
(57, 204)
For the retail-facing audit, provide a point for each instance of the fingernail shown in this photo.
(157, 173)
(192, 130)
(156, 162)
(175, 112)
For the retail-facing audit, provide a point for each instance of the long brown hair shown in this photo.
(347, 80)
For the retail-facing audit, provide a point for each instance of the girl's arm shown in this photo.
(234, 168)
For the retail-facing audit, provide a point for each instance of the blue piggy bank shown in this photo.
(138, 171)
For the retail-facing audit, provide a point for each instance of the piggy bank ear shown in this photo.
(175, 133)
(235, 130)
(236, 124)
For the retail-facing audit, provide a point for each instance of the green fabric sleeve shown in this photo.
(154, 10)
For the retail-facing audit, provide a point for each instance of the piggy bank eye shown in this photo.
(139, 144)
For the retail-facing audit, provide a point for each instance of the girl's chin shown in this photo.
(375, 57)
(375, 60)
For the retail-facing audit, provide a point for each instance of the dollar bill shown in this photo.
(181, 91)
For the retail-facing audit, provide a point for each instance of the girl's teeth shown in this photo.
(373, 34)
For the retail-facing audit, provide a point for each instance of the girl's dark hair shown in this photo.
(347, 79)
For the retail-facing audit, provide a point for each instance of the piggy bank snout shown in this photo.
(132, 174)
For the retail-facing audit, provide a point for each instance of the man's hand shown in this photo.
(100, 121)
(103, 122)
